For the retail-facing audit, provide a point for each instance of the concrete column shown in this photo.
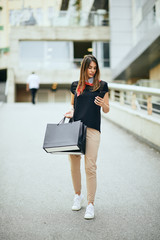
(10, 86)
(71, 54)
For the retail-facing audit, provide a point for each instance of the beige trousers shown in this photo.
(92, 145)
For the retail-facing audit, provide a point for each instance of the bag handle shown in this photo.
(71, 120)
(63, 121)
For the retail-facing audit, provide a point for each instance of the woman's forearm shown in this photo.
(105, 108)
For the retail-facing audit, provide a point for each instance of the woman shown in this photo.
(88, 96)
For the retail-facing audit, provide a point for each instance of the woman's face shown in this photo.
(91, 69)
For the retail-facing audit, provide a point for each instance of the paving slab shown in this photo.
(36, 191)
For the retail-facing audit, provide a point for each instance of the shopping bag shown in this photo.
(65, 138)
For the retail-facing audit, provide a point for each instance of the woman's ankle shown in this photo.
(78, 193)
(91, 203)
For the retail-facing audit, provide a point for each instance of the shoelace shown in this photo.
(76, 200)
(89, 209)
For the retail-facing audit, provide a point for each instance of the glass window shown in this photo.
(44, 54)
(32, 51)
(101, 51)
(60, 54)
(80, 50)
(106, 54)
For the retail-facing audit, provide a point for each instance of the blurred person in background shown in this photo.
(33, 85)
(88, 96)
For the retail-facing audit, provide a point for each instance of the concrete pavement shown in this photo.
(36, 191)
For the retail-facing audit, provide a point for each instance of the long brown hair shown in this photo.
(83, 73)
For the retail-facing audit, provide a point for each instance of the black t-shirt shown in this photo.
(84, 107)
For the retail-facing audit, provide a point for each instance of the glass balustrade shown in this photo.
(39, 17)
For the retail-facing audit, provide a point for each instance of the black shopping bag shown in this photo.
(65, 138)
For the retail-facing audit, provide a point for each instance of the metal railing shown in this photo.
(143, 99)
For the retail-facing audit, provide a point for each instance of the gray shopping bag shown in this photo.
(65, 138)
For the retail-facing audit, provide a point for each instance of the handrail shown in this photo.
(137, 97)
(136, 89)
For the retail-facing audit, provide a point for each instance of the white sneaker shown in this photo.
(78, 200)
(89, 214)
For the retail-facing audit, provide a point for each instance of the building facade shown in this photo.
(51, 38)
(135, 41)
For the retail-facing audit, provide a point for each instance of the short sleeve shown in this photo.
(74, 86)
(105, 87)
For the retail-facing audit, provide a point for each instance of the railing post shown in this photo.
(134, 101)
(139, 98)
(149, 105)
(112, 95)
(121, 97)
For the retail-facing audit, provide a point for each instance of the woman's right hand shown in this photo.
(69, 114)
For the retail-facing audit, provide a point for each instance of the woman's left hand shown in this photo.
(99, 101)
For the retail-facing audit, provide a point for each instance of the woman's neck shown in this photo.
(90, 80)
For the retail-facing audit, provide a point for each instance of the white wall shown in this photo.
(120, 30)
(144, 126)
